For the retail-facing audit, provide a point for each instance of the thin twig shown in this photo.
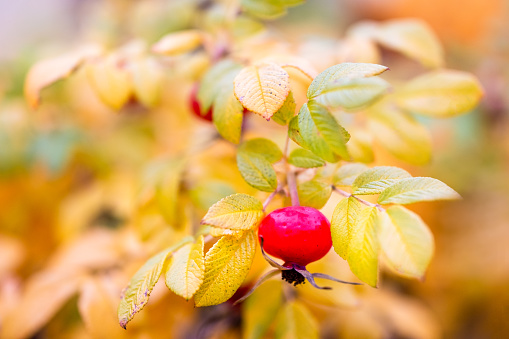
(292, 187)
(362, 201)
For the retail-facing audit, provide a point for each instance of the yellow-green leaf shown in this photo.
(413, 38)
(286, 112)
(243, 27)
(294, 132)
(263, 9)
(138, 291)
(226, 266)
(410, 190)
(352, 93)
(344, 70)
(260, 309)
(406, 242)
(184, 272)
(264, 147)
(346, 174)
(257, 171)
(296, 322)
(147, 81)
(262, 88)
(376, 179)
(342, 224)
(400, 134)
(314, 193)
(237, 212)
(441, 93)
(178, 42)
(322, 133)
(216, 78)
(360, 146)
(364, 247)
(305, 159)
(228, 115)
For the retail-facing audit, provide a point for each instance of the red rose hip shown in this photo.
(297, 234)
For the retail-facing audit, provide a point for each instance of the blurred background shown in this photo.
(71, 237)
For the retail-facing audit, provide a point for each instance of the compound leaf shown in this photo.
(226, 266)
(237, 212)
(410, 190)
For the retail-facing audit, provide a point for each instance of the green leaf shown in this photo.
(263, 147)
(406, 242)
(296, 322)
(441, 93)
(346, 174)
(408, 191)
(286, 112)
(305, 159)
(216, 78)
(228, 115)
(263, 9)
(314, 193)
(257, 171)
(184, 273)
(260, 309)
(400, 134)
(344, 70)
(294, 132)
(343, 222)
(352, 93)
(322, 133)
(226, 266)
(376, 179)
(141, 284)
(364, 247)
(237, 212)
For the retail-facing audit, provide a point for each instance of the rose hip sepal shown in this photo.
(298, 235)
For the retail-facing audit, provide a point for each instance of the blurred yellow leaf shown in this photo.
(261, 308)
(441, 93)
(410, 190)
(347, 173)
(358, 49)
(219, 232)
(47, 72)
(184, 272)
(314, 193)
(376, 179)
(215, 79)
(237, 212)
(343, 222)
(226, 266)
(138, 291)
(264, 9)
(364, 247)
(406, 242)
(228, 114)
(178, 42)
(360, 145)
(111, 81)
(296, 322)
(262, 88)
(147, 81)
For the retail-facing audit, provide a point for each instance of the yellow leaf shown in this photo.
(262, 88)
(314, 193)
(358, 49)
(260, 309)
(400, 134)
(141, 284)
(228, 115)
(441, 93)
(47, 72)
(410, 190)
(226, 266)
(237, 212)
(184, 273)
(376, 179)
(342, 224)
(412, 37)
(360, 145)
(364, 247)
(295, 322)
(406, 242)
(219, 232)
(178, 42)
(110, 81)
(147, 81)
